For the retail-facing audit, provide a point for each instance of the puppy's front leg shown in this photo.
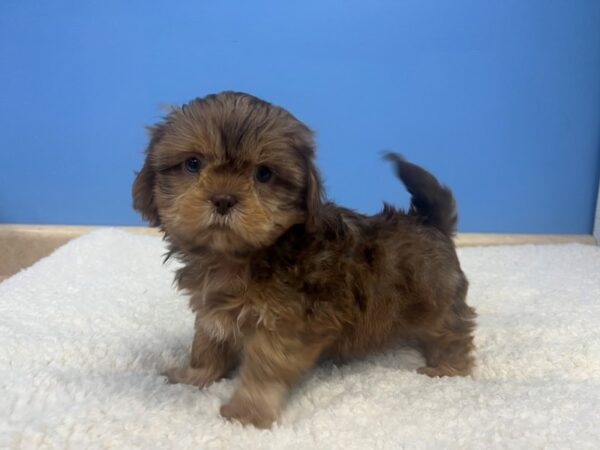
(211, 359)
(271, 365)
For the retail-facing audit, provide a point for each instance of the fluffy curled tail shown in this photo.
(431, 201)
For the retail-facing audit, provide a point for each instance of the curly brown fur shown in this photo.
(280, 279)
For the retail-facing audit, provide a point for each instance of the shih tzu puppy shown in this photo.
(280, 279)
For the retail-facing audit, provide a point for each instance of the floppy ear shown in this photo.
(143, 186)
(314, 195)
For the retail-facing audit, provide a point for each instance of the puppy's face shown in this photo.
(228, 172)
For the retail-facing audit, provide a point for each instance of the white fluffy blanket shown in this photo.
(85, 333)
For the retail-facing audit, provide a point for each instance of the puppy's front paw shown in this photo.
(188, 375)
(246, 413)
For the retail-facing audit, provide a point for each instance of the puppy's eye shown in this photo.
(263, 174)
(192, 165)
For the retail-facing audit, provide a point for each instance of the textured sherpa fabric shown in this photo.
(86, 332)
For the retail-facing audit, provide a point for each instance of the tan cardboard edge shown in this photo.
(22, 244)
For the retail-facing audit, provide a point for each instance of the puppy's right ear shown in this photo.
(143, 186)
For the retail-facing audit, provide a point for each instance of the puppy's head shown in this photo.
(229, 172)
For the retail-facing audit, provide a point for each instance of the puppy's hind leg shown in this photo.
(449, 349)
(448, 355)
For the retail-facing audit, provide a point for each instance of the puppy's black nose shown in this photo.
(223, 202)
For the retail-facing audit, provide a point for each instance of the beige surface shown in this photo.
(477, 239)
(22, 245)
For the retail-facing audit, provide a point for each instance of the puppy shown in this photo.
(279, 278)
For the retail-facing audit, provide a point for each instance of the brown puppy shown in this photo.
(280, 279)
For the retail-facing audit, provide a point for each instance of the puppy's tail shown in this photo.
(431, 201)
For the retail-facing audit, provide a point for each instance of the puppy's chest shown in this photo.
(232, 305)
(235, 301)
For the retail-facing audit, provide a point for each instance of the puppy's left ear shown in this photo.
(314, 196)
(143, 187)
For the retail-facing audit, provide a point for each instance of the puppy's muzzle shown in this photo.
(223, 203)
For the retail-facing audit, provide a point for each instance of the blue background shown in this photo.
(499, 98)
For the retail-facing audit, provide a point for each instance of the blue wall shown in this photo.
(499, 98)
